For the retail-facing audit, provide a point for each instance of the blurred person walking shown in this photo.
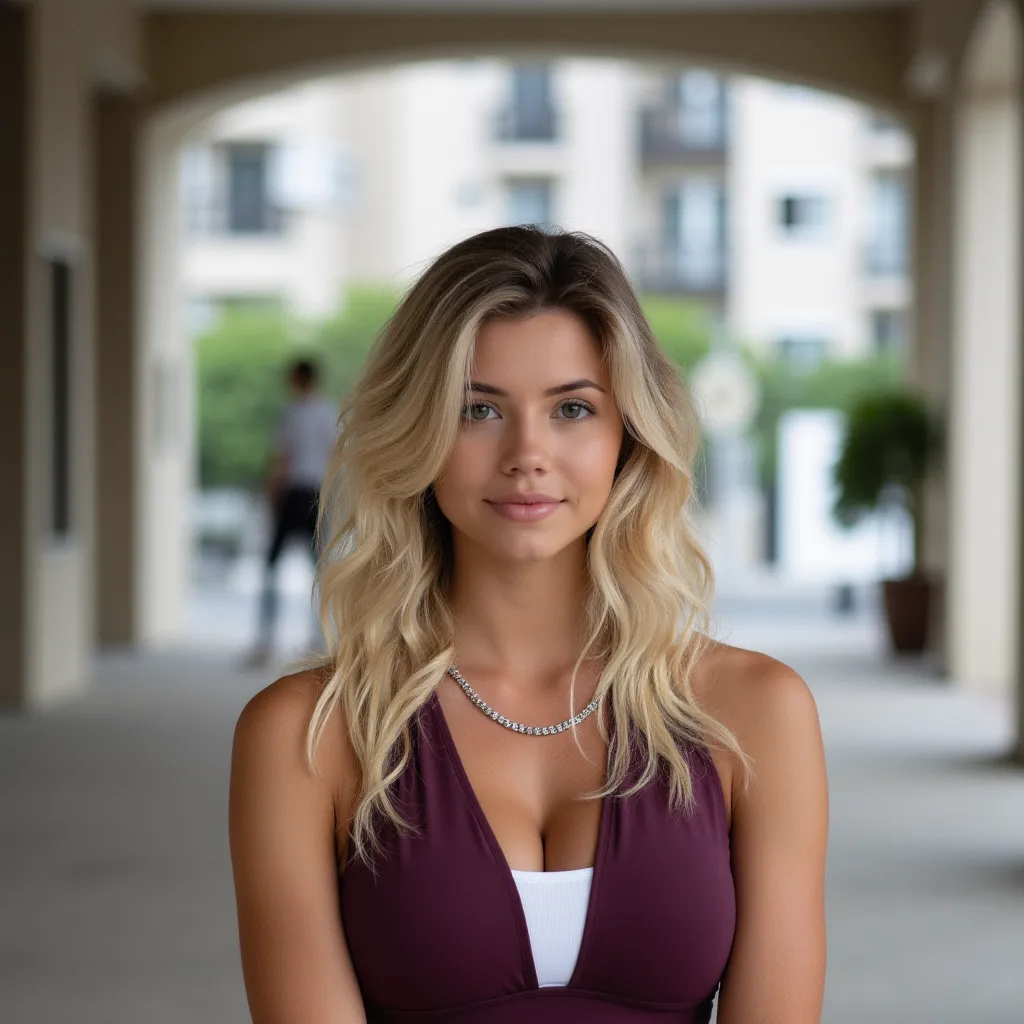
(303, 440)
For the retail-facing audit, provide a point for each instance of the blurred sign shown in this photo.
(727, 394)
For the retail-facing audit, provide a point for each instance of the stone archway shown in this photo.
(861, 52)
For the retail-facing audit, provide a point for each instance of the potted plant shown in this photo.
(891, 444)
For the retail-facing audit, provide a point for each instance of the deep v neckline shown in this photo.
(498, 855)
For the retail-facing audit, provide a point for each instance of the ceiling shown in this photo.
(512, 5)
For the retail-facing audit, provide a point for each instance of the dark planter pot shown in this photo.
(908, 605)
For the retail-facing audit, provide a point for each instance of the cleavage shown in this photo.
(565, 841)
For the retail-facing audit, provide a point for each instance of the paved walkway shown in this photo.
(115, 883)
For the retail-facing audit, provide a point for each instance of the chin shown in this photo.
(525, 549)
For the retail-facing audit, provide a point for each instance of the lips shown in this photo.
(524, 507)
(525, 498)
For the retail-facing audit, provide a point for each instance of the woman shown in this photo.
(527, 786)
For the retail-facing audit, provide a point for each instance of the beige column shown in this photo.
(14, 206)
(984, 435)
(1018, 681)
(166, 437)
(117, 370)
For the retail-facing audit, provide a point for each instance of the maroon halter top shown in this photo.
(437, 932)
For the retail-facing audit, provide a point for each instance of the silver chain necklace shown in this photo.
(530, 730)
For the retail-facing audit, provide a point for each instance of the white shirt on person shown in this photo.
(305, 436)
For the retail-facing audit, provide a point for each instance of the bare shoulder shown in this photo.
(756, 696)
(778, 838)
(740, 687)
(285, 845)
(272, 729)
(284, 702)
(276, 719)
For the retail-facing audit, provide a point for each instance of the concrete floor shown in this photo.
(115, 888)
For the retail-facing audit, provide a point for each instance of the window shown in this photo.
(889, 330)
(882, 123)
(693, 224)
(60, 297)
(198, 188)
(802, 352)
(530, 114)
(887, 248)
(249, 210)
(530, 201)
(699, 101)
(803, 216)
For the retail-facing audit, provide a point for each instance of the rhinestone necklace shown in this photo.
(530, 730)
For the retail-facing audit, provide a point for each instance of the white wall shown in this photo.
(602, 168)
(791, 141)
(443, 188)
(812, 546)
(431, 170)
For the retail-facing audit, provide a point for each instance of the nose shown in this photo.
(525, 445)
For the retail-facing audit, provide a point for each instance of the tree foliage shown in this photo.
(239, 367)
(891, 443)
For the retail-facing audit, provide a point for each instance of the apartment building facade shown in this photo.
(783, 209)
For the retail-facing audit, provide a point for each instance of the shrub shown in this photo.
(890, 445)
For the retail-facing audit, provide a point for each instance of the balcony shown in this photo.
(886, 283)
(696, 273)
(526, 124)
(215, 219)
(670, 134)
(883, 261)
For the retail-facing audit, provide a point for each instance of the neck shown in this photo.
(519, 618)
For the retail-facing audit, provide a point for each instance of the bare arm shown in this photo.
(295, 960)
(776, 973)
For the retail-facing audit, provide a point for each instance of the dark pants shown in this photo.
(295, 517)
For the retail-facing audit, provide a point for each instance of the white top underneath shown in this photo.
(555, 904)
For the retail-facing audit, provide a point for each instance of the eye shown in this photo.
(470, 412)
(575, 409)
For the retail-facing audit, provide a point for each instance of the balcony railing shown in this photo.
(669, 134)
(696, 272)
(523, 124)
(220, 219)
(885, 261)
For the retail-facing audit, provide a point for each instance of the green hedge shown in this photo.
(238, 369)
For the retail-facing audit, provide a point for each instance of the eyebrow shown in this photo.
(559, 389)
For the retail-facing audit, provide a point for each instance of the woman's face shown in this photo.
(535, 456)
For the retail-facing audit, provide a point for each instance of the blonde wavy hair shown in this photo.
(387, 560)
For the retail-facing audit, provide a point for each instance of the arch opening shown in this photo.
(781, 197)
